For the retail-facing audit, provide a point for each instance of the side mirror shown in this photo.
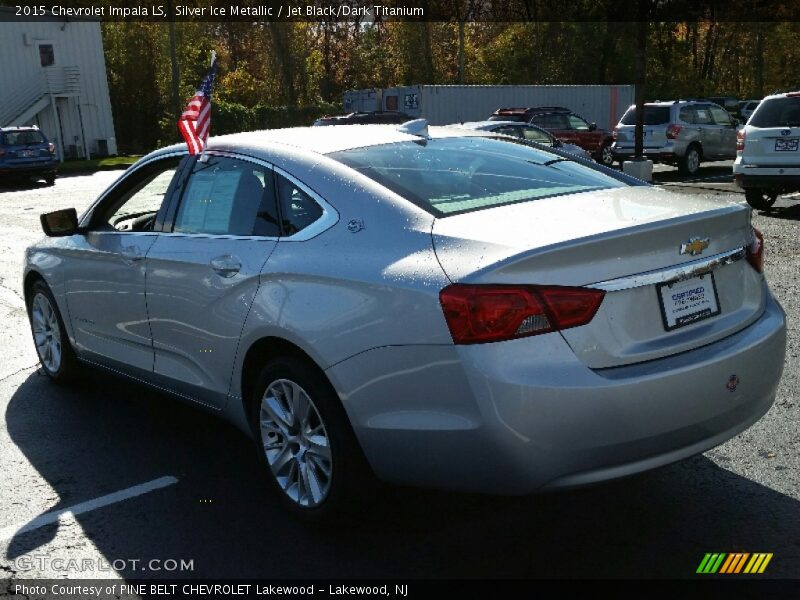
(592, 126)
(60, 223)
(557, 143)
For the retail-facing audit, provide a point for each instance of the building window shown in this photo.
(46, 55)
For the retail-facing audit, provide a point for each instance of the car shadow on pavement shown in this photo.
(711, 172)
(791, 212)
(106, 435)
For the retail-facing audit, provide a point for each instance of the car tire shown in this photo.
(50, 338)
(605, 156)
(305, 442)
(689, 163)
(50, 179)
(760, 199)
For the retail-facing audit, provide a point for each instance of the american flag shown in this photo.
(195, 122)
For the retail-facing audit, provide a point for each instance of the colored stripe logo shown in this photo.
(735, 562)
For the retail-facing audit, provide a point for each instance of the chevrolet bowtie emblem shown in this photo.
(695, 246)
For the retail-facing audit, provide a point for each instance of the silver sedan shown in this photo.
(434, 307)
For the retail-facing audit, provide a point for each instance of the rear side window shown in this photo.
(686, 114)
(777, 112)
(455, 175)
(552, 121)
(23, 138)
(537, 135)
(653, 115)
(703, 116)
(508, 130)
(225, 196)
(298, 209)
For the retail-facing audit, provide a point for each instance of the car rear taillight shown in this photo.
(614, 134)
(755, 251)
(477, 314)
(673, 131)
(51, 147)
(740, 137)
(2, 152)
(793, 95)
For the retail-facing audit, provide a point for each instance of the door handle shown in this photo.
(226, 266)
(131, 253)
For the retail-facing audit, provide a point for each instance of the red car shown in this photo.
(566, 126)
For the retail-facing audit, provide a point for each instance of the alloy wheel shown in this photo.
(607, 156)
(692, 161)
(295, 442)
(46, 332)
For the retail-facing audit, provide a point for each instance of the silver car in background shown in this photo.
(682, 133)
(429, 305)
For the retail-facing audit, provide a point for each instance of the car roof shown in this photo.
(318, 140)
(787, 94)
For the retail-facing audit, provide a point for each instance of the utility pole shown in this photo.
(173, 57)
(641, 79)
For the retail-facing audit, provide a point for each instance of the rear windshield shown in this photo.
(448, 176)
(653, 115)
(777, 112)
(22, 138)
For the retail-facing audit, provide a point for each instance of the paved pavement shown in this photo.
(138, 477)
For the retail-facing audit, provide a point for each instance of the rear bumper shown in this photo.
(667, 153)
(751, 176)
(519, 416)
(30, 169)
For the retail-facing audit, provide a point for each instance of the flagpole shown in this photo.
(202, 157)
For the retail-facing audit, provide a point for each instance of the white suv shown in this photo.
(768, 151)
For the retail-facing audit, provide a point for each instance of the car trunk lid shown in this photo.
(604, 237)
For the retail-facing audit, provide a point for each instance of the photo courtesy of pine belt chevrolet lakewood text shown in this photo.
(433, 306)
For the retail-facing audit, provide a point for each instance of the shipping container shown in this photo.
(445, 104)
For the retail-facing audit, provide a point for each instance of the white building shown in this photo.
(53, 74)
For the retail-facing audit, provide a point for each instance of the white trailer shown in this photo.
(445, 104)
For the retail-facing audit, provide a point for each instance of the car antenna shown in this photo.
(418, 127)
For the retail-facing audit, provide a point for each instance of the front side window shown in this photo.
(455, 175)
(133, 205)
(720, 116)
(224, 196)
(577, 123)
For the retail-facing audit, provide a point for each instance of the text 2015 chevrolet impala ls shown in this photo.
(442, 307)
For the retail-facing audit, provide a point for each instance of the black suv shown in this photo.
(566, 126)
(25, 152)
(377, 117)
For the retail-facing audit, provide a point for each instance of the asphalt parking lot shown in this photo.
(116, 474)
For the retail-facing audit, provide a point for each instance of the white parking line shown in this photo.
(83, 507)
